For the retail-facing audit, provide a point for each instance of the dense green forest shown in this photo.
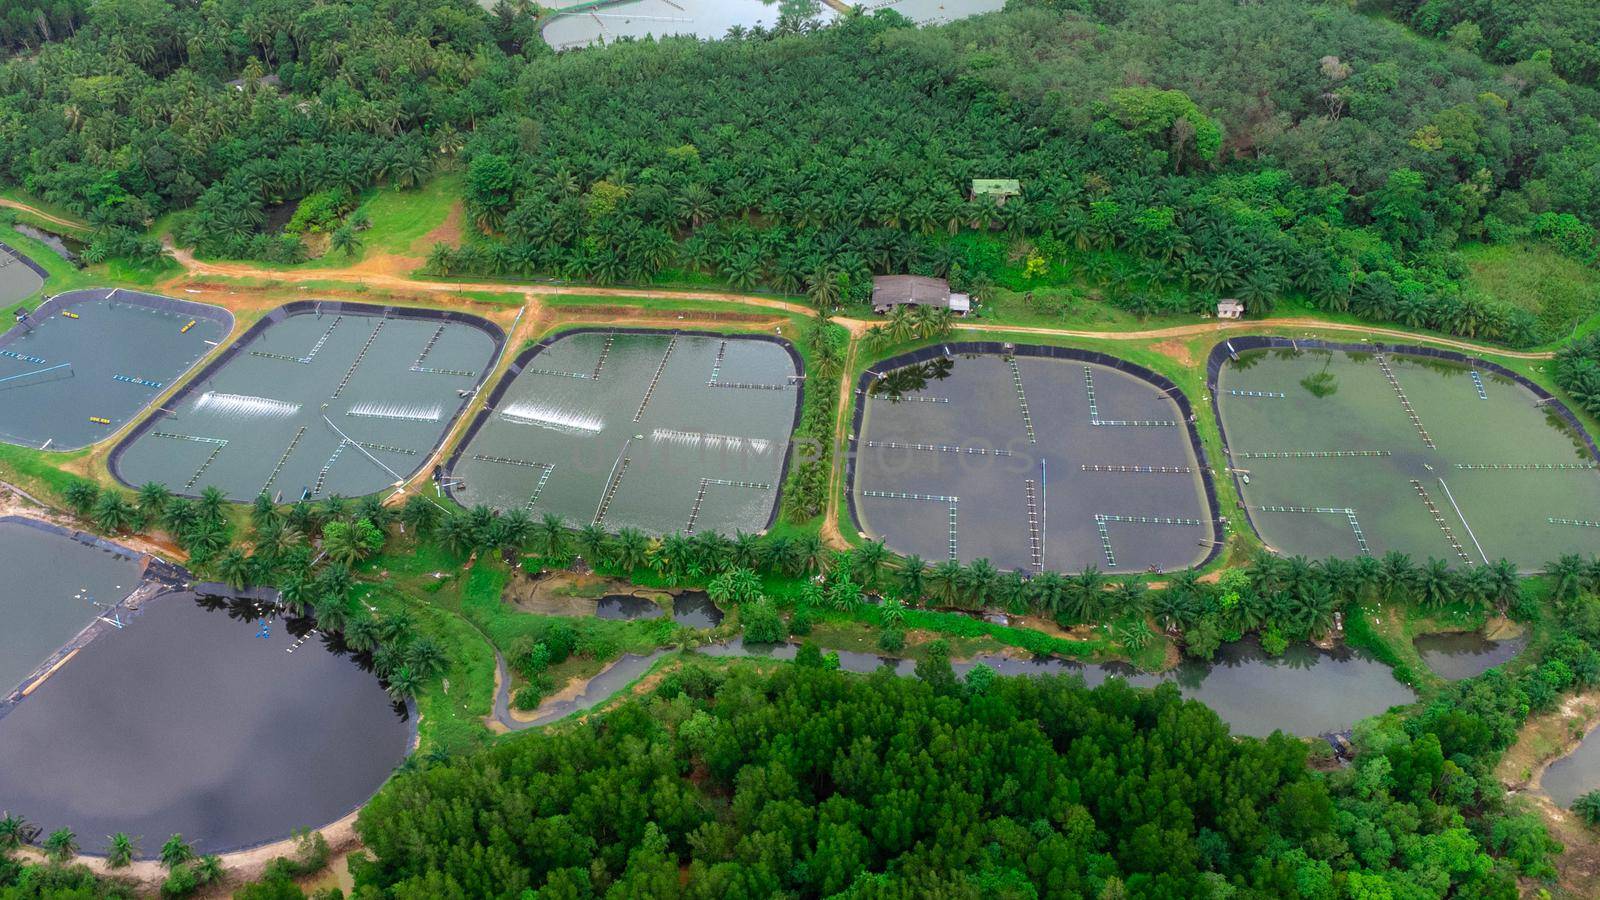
(812, 783)
(1169, 152)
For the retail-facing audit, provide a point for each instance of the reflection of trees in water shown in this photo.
(1323, 384)
(1555, 420)
(912, 379)
(1248, 360)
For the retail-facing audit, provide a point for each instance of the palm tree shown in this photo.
(1128, 598)
(912, 574)
(112, 513)
(120, 850)
(208, 869)
(80, 496)
(403, 684)
(175, 852)
(15, 831)
(457, 534)
(1507, 583)
(592, 540)
(810, 554)
(262, 511)
(749, 551)
(153, 498)
(871, 558)
(1088, 594)
(420, 515)
(1567, 576)
(552, 536)
(234, 569)
(332, 615)
(334, 583)
(632, 550)
(373, 510)
(946, 581)
(1436, 584)
(295, 589)
(512, 530)
(61, 845)
(211, 502)
(426, 658)
(361, 634)
(1396, 574)
(979, 582)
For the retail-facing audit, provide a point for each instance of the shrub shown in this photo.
(762, 624)
(891, 640)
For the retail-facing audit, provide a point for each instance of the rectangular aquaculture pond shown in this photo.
(56, 583)
(1345, 450)
(84, 363)
(1035, 458)
(660, 431)
(19, 275)
(316, 399)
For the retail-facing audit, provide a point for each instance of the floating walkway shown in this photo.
(938, 448)
(430, 370)
(1022, 398)
(545, 470)
(278, 469)
(1411, 413)
(1582, 523)
(1439, 519)
(951, 502)
(1135, 423)
(1088, 388)
(322, 477)
(706, 484)
(1309, 454)
(1347, 512)
(1035, 535)
(1477, 382)
(1265, 395)
(655, 380)
(315, 348)
(1101, 520)
(918, 399)
(618, 469)
(12, 354)
(142, 382)
(1539, 467)
(1139, 470)
(345, 381)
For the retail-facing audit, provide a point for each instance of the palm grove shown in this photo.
(1336, 158)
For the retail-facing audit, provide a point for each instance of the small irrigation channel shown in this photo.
(1348, 450)
(179, 711)
(84, 363)
(316, 399)
(1035, 458)
(1307, 692)
(661, 431)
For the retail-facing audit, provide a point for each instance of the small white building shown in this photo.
(1230, 309)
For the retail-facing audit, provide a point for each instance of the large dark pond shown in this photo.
(199, 721)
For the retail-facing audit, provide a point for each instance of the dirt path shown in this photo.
(1176, 331)
(404, 283)
(1542, 740)
(41, 214)
(832, 534)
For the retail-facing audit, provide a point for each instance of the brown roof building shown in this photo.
(889, 291)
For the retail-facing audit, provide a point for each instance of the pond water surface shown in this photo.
(1575, 774)
(1463, 654)
(191, 721)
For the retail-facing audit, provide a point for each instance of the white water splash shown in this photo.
(242, 406)
(527, 412)
(410, 412)
(711, 441)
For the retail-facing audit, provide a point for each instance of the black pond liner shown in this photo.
(176, 594)
(1003, 348)
(299, 307)
(160, 573)
(522, 359)
(25, 260)
(1234, 346)
(68, 299)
